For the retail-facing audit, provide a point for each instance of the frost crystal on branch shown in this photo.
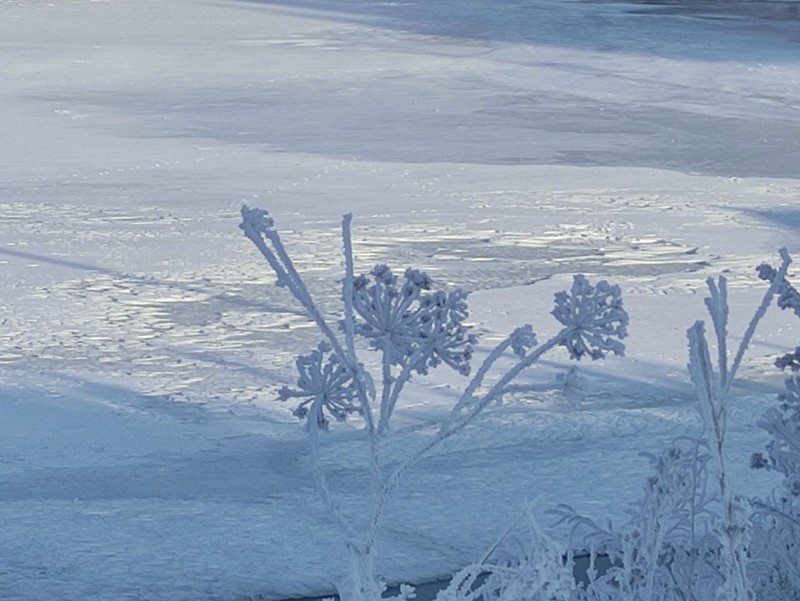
(325, 385)
(257, 220)
(414, 327)
(788, 296)
(594, 318)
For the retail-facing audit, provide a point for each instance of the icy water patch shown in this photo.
(780, 10)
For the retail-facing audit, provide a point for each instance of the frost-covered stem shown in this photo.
(628, 560)
(388, 404)
(386, 390)
(300, 291)
(360, 584)
(457, 422)
(707, 383)
(655, 549)
(762, 309)
(776, 511)
(319, 474)
(693, 512)
(398, 383)
(502, 539)
(712, 396)
(347, 285)
(477, 380)
(350, 323)
(358, 369)
(787, 436)
(718, 309)
(254, 235)
(287, 274)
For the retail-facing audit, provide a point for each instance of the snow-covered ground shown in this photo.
(500, 145)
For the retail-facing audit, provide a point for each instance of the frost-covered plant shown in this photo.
(326, 387)
(414, 328)
(524, 565)
(594, 319)
(788, 300)
(712, 387)
(782, 423)
(775, 549)
(788, 296)
(685, 540)
(666, 550)
(690, 537)
(776, 522)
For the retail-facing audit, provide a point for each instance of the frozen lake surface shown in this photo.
(500, 146)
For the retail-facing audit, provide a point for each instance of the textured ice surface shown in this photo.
(142, 453)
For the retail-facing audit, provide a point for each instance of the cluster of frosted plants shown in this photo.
(776, 521)
(414, 328)
(667, 549)
(688, 538)
(524, 565)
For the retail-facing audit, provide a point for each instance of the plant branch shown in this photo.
(762, 309)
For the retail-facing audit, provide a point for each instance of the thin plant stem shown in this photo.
(319, 474)
(762, 309)
(457, 422)
(355, 365)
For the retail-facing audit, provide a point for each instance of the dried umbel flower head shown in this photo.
(522, 340)
(326, 386)
(415, 327)
(594, 318)
(257, 220)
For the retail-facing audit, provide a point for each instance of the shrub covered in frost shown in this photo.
(667, 550)
(776, 520)
(782, 423)
(689, 537)
(415, 328)
(524, 565)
